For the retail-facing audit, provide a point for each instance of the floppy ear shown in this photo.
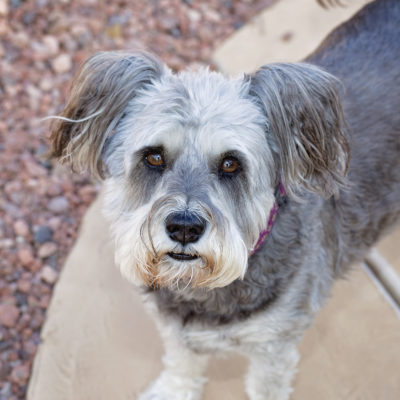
(100, 92)
(305, 126)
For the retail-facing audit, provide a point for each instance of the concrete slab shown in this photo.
(287, 31)
(352, 350)
(385, 261)
(389, 247)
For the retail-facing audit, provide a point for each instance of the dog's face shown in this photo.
(190, 183)
(192, 160)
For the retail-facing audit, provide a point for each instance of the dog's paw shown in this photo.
(173, 388)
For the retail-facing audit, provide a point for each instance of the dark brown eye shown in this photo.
(155, 160)
(229, 165)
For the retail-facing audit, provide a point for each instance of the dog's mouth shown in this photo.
(182, 256)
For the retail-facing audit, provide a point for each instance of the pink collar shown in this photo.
(280, 194)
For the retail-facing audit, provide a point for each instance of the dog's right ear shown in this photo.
(100, 93)
(306, 129)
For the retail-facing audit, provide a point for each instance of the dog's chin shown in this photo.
(176, 270)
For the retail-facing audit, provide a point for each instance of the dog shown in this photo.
(236, 202)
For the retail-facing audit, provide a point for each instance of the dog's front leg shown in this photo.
(183, 377)
(271, 369)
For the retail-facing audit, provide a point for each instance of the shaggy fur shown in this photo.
(303, 125)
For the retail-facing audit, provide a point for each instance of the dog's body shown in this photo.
(211, 152)
(364, 54)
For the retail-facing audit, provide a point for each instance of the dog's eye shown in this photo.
(229, 165)
(155, 160)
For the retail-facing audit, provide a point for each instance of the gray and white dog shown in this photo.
(234, 201)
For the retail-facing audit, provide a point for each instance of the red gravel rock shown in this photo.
(37, 318)
(45, 300)
(47, 249)
(21, 228)
(54, 189)
(168, 23)
(25, 256)
(20, 374)
(6, 243)
(8, 315)
(35, 266)
(3, 7)
(49, 275)
(54, 223)
(62, 63)
(51, 44)
(30, 347)
(58, 205)
(4, 369)
(24, 285)
(46, 84)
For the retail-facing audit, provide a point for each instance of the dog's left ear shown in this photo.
(101, 90)
(305, 126)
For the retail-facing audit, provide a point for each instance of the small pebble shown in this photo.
(25, 256)
(43, 234)
(194, 16)
(3, 7)
(47, 249)
(24, 285)
(6, 243)
(20, 373)
(167, 23)
(54, 223)
(51, 44)
(8, 315)
(58, 205)
(4, 370)
(6, 390)
(62, 63)
(30, 347)
(48, 275)
(21, 228)
(54, 189)
(46, 84)
(28, 17)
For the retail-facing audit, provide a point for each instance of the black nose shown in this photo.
(185, 227)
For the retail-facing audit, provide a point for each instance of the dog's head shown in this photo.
(192, 160)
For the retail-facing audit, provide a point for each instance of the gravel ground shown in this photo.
(42, 42)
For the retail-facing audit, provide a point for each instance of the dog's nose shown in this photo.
(185, 227)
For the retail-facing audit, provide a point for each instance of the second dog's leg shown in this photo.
(271, 371)
(183, 375)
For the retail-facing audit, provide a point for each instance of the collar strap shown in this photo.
(280, 200)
